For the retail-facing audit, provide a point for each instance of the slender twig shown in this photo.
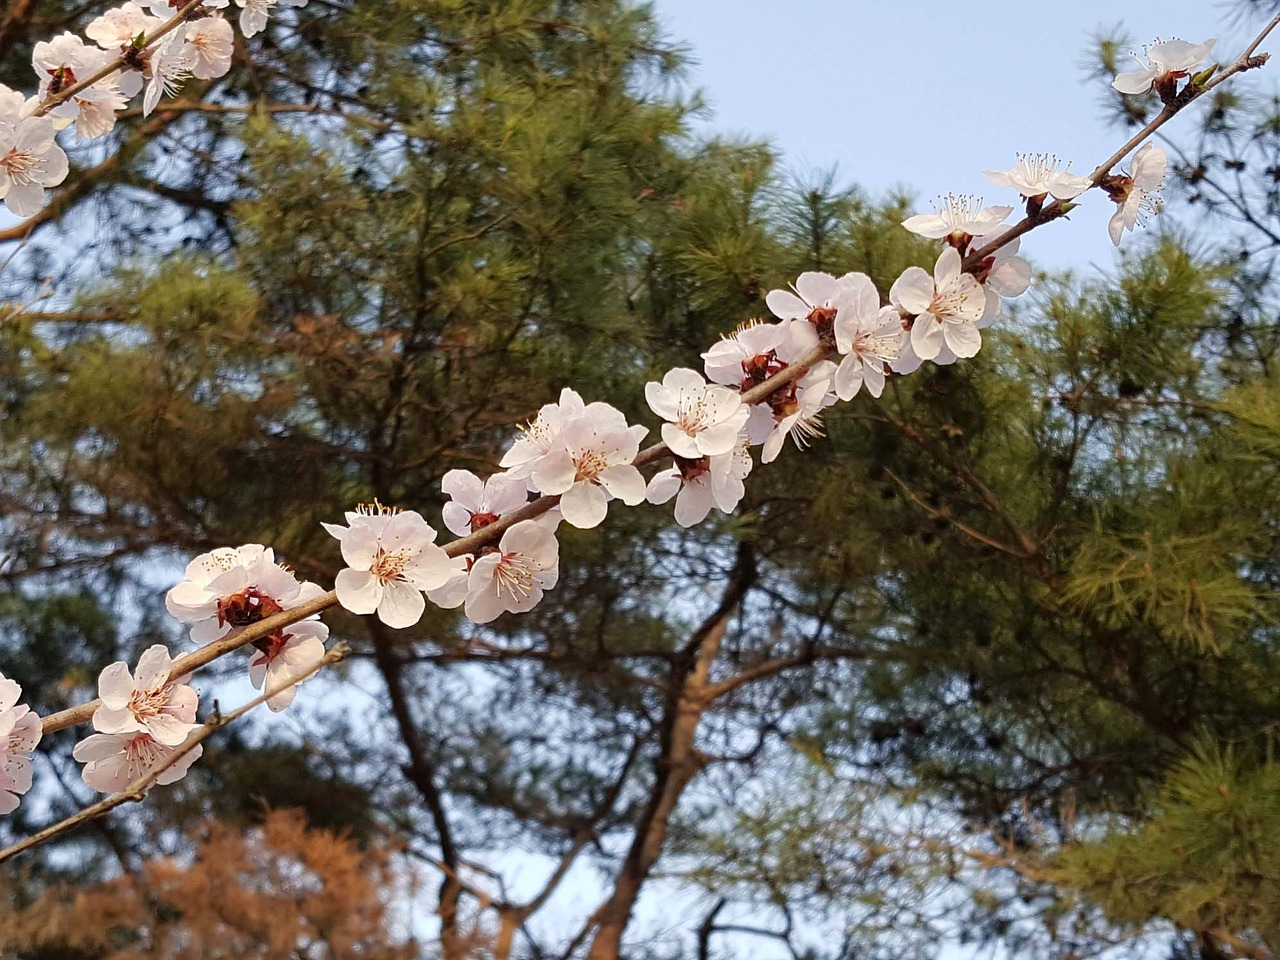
(1060, 208)
(138, 789)
(112, 66)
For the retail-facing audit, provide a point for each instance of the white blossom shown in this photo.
(1167, 62)
(477, 503)
(946, 306)
(391, 559)
(1036, 175)
(702, 419)
(957, 215)
(512, 578)
(868, 335)
(541, 435)
(115, 760)
(702, 483)
(209, 45)
(750, 354)
(1135, 194)
(230, 588)
(168, 67)
(592, 465)
(285, 655)
(20, 732)
(146, 702)
(30, 161)
(1002, 274)
(792, 413)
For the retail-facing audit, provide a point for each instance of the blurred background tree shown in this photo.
(994, 662)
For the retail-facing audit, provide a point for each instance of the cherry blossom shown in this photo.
(946, 306)
(957, 218)
(168, 67)
(210, 42)
(391, 559)
(542, 435)
(146, 702)
(1002, 274)
(868, 335)
(1168, 62)
(116, 29)
(20, 732)
(593, 465)
(230, 588)
(285, 655)
(113, 761)
(30, 161)
(1036, 175)
(749, 355)
(702, 483)
(702, 420)
(513, 578)
(794, 411)
(1135, 194)
(255, 13)
(477, 503)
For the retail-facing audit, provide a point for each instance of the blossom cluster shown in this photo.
(586, 455)
(150, 47)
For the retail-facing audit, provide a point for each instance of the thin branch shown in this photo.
(138, 789)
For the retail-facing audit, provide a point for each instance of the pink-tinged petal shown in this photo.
(625, 482)
(115, 720)
(1011, 278)
(98, 746)
(10, 692)
(786, 305)
(402, 605)
(302, 656)
(168, 730)
(153, 668)
(693, 503)
(1115, 226)
(928, 225)
(8, 803)
(817, 288)
(554, 473)
(258, 669)
(180, 766)
(19, 771)
(722, 437)
(913, 291)
(992, 309)
(282, 699)
(464, 487)
(183, 702)
(505, 494)
(534, 541)
(926, 336)
(661, 401)
(26, 735)
(848, 379)
(407, 527)
(964, 339)
(359, 547)
(457, 518)
(483, 604)
(432, 568)
(584, 505)
(358, 590)
(773, 446)
(207, 631)
(452, 594)
(115, 685)
(663, 485)
(682, 444)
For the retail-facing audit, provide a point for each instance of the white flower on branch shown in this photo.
(285, 655)
(1036, 175)
(210, 43)
(116, 29)
(513, 578)
(542, 435)
(592, 465)
(255, 13)
(868, 335)
(19, 734)
(146, 702)
(1135, 194)
(477, 503)
(701, 483)
(30, 161)
(1002, 274)
(1168, 61)
(115, 760)
(946, 306)
(391, 560)
(168, 67)
(749, 355)
(702, 420)
(957, 218)
(794, 411)
(230, 588)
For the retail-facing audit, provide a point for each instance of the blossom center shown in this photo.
(513, 576)
(246, 607)
(482, 518)
(389, 565)
(19, 166)
(590, 464)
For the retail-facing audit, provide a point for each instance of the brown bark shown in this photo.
(678, 762)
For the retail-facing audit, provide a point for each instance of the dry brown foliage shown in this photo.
(281, 890)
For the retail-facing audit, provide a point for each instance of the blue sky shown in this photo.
(925, 94)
